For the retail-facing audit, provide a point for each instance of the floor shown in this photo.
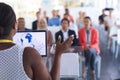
(110, 68)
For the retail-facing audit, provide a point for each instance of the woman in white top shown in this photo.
(17, 63)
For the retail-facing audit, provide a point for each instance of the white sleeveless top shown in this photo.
(11, 64)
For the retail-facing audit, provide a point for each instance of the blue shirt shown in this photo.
(54, 21)
(88, 37)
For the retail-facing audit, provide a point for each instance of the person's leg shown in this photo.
(87, 61)
(87, 57)
(92, 66)
(108, 40)
(93, 53)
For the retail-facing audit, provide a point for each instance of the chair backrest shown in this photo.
(69, 64)
(113, 30)
(118, 34)
(53, 30)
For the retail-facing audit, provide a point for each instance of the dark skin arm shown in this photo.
(60, 47)
(35, 67)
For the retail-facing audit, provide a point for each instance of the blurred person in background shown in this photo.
(21, 24)
(79, 20)
(43, 26)
(54, 21)
(70, 17)
(35, 23)
(57, 13)
(110, 22)
(45, 16)
(101, 20)
(89, 39)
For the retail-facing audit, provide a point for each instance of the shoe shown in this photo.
(93, 76)
(84, 75)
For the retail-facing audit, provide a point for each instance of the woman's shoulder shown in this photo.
(30, 51)
(94, 29)
(81, 29)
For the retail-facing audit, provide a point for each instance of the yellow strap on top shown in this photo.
(6, 41)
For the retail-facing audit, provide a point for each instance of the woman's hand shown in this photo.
(70, 49)
(87, 48)
(60, 47)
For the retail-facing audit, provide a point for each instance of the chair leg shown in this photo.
(108, 46)
(117, 49)
(113, 46)
(80, 65)
(99, 68)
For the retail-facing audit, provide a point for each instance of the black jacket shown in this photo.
(70, 32)
(34, 25)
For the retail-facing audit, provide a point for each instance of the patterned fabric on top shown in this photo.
(11, 64)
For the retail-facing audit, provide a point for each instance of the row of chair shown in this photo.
(72, 64)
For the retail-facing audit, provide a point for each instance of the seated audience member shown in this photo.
(65, 32)
(101, 19)
(79, 20)
(17, 63)
(21, 24)
(35, 23)
(54, 21)
(69, 16)
(57, 13)
(45, 16)
(109, 21)
(72, 26)
(88, 38)
(43, 26)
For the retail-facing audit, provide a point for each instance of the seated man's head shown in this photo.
(103, 11)
(8, 26)
(66, 16)
(80, 14)
(67, 11)
(38, 15)
(111, 12)
(44, 14)
(87, 22)
(65, 24)
(54, 13)
(21, 23)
